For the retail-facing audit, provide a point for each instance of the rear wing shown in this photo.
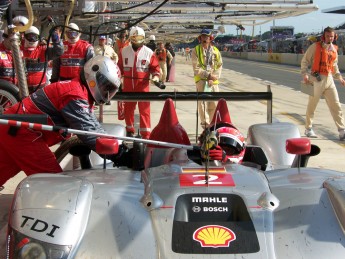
(200, 96)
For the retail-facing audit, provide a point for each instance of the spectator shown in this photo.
(207, 65)
(121, 42)
(170, 63)
(152, 43)
(103, 49)
(322, 57)
(137, 62)
(77, 52)
(164, 57)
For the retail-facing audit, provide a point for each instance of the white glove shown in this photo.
(155, 79)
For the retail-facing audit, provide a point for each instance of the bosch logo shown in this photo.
(196, 209)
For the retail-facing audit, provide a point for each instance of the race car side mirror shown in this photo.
(303, 150)
(298, 146)
(107, 146)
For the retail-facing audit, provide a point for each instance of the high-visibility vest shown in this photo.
(324, 59)
(200, 54)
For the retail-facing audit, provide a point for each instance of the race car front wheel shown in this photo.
(9, 95)
(75, 147)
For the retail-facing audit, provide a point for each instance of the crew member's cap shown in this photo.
(206, 32)
(102, 37)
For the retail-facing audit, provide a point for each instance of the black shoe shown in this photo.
(108, 103)
(130, 134)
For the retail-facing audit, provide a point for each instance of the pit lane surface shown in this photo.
(279, 74)
(288, 106)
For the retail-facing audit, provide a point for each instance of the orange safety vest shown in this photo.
(162, 56)
(324, 59)
(121, 45)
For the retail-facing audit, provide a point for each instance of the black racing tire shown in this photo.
(63, 150)
(9, 95)
(76, 148)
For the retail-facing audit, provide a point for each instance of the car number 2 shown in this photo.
(198, 180)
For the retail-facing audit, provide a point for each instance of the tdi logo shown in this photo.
(40, 226)
(215, 209)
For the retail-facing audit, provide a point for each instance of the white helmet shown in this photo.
(72, 33)
(20, 20)
(103, 78)
(137, 35)
(31, 37)
(152, 37)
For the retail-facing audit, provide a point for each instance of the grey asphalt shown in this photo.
(288, 106)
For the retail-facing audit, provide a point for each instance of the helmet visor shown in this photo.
(31, 37)
(230, 146)
(137, 39)
(107, 89)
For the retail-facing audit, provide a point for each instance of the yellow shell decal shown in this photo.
(92, 83)
(214, 236)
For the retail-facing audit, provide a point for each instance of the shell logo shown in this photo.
(214, 236)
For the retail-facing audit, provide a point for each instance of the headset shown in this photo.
(329, 29)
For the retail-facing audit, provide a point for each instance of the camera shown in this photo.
(317, 76)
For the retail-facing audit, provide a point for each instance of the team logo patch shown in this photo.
(214, 236)
(143, 62)
(3, 55)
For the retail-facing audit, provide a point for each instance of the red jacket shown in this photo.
(136, 67)
(68, 104)
(74, 58)
(7, 71)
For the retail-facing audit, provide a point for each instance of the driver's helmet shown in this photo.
(103, 78)
(232, 142)
(137, 36)
(31, 37)
(72, 33)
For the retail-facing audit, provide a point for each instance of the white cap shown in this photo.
(152, 37)
(73, 26)
(22, 20)
(32, 29)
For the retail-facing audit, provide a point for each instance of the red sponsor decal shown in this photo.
(143, 62)
(198, 180)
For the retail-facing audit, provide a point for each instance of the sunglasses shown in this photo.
(73, 34)
(31, 37)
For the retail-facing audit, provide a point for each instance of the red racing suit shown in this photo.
(68, 104)
(72, 60)
(136, 67)
(7, 71)
(35, 59)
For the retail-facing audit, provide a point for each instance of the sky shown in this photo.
(309, 23)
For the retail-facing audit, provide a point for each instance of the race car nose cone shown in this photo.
(169, 128)
(221, 114)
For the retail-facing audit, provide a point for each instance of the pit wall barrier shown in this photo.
(278, 58)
